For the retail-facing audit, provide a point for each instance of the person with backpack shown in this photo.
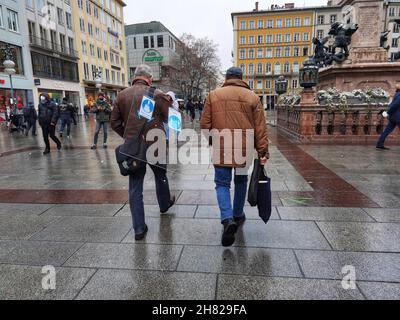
(48, 118)
(102, 110)
(66, 111)
(30, 118)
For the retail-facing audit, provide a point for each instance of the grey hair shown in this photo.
(143, 70)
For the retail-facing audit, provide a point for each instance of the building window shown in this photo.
(105, 55)
(71, 44)
(307, 21)
(320, 34)
(278, 52)
(296, 51)
(60, 16)
(243, 67)
(251, 68)
(242, 40)
(394, 42)
(80, 4)
(321, 19)
(68, 19)
(82, 24)
(269, 38)
(288, 37)
(259, 68)
(251, 40)
(16, 57)
(88, 7)
(99, 53)
(268, 68)
(251, 84)
(269, 53)
(242, 54)
(146, 42)
(260, 39)
(333, 18)
(296, 67)
(31, 29)
(152, 41)
(54, 68)
(297, 37)
(288, 23)
(278, 38)
(251, 54)
(251, 25)
(1, 17)
(160, 41)
(86, 71)
(260, 24)
(90, 29)
(12, 20)
(306, 36)
(297, 22)
(84, 48)
(392, 11)
(287, 52)
(242, 25)
(92, 51)
(295, 83)
(268, 84)
(396, 28)
(260, 53)
(305, 51)
(96, 12)
(277, 68)
(270, 24)
(62, 42)
(286, 68)
(279, 23)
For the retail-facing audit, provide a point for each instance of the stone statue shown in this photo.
(342, 33)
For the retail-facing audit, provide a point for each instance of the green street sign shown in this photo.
(152, 56)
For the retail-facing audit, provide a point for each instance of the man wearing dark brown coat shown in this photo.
(126, 121)
(236, 114)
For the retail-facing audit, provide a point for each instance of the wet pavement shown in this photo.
(333, 206)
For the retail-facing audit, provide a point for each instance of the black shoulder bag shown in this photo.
(131, 156)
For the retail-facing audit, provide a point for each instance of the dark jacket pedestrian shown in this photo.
(48, 118)
(30, 117)
(126, 122)
(236, 114)
(394, 119)
(86, 111)
(191, 108)
(66, 113)
(102, 110)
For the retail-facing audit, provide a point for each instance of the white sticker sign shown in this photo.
(147, 108)
(174, 120)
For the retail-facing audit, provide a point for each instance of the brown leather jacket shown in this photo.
(131, 98)
(236, 108)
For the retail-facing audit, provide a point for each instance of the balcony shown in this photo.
(53, 47)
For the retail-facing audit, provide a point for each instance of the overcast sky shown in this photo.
(202, 18)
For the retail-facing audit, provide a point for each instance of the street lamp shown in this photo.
(281, 85)
(309, 74)
(9, 68)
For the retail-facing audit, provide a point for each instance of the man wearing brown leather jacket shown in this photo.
(125, 121)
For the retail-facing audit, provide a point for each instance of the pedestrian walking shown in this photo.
(30, 118)
(66, 112)
(102, 110)
(394, 119)
(190, 107)
(234, 107)
(127, 107)
(48, 118)
(86, 111)
(201, 107)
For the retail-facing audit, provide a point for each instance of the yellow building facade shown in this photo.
(268, 44)
(100, 41)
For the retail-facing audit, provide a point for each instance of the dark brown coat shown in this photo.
(236, 108)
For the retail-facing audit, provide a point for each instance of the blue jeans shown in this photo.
(65, 122)
(136, 194)
(99, 125)
(389, 129)
(223, 179)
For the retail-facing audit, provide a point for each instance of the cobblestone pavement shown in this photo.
(333, 206)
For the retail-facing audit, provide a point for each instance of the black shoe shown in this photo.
(47, 151)
(382, 148)
(230, 228)
(59, 147)
(105, 145)
(93, 147)
(171, 203)
(61, 134)
(239, 220)
(140, 236)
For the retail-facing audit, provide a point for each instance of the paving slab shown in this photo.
(233, 287)
(103, 210)
(384, 215)
(37, 253)
(237, 260)
(213, 212)
(276, 234)
(358, 236)
(380, 291)
(86, 229)
(323, 214)
(25, 283)
(126, 256)
(21, 226)
(17, 208)
(177, 211)
(369, 266)
(149, 285)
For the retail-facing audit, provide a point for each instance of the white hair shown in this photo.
(143, 70)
